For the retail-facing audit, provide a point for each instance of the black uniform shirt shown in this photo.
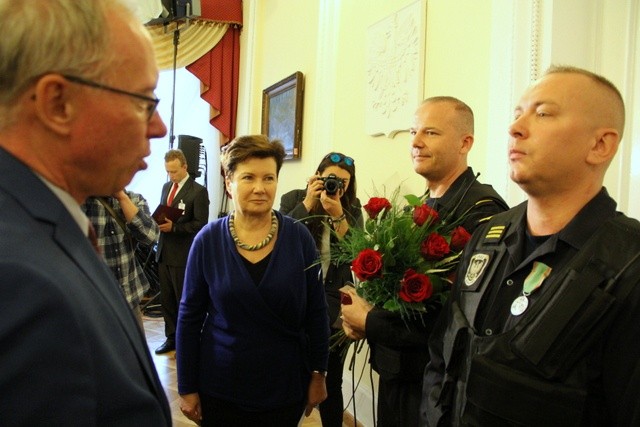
(494, 314)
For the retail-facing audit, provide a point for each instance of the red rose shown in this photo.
(376, 205)
(434, 247)
(422, 213)
(367, 265)
(459, 238)
(415, 287)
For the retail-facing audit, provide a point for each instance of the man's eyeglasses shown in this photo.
(337, 158)
(151, 103)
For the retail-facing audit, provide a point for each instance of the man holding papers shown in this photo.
(183, 193)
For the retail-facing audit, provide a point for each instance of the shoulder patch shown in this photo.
(495, 234)
(477, 265)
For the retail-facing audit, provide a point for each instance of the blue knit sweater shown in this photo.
(254, 346)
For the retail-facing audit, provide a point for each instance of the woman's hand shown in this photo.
(317, 392)
(314, 189)
(331, 203)
(190, 407)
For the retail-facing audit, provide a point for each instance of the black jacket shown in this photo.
(173, 248)
(337, 275)
(570, 358)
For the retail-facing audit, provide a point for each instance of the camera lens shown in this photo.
(332, 184)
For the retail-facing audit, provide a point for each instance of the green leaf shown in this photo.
(413, 200)
(391, 305)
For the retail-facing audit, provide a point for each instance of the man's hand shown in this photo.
(167, 226)
(129, 209)
(120, 195)
(354, 316)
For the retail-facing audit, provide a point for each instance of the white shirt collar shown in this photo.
(70, 203)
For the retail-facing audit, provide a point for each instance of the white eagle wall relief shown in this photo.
(395, 63)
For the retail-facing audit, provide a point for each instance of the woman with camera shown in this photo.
(328, 207)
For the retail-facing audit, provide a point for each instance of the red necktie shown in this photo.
(172, 194)
(93, 238)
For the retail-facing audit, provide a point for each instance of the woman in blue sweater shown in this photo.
(252, 336)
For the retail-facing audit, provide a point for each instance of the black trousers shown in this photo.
(399, 403)
(171, 280)
(220, 413)
(332, 408)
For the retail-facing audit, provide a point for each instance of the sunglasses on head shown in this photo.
(337, 158)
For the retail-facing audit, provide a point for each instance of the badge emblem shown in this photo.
(476, 267)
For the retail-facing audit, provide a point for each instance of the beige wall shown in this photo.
(334, 68)
(482, 51)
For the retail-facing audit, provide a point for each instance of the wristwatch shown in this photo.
(323, 373)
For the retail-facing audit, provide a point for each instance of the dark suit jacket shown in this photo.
(173, 248)
(72, 351)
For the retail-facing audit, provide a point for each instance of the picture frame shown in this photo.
(282, 105)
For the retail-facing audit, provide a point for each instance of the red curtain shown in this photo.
(218, 69)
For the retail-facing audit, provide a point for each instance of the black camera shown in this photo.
(332, 184)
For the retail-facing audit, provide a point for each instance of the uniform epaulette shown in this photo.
(485, 219)
(483, 201)
(495, 233)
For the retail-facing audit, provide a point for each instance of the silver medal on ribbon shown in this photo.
(519, 305)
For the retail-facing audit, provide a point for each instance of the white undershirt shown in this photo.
(325, 249)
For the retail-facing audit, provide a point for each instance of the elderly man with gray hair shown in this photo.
(77, 111)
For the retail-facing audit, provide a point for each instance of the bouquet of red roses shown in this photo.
(405, 256)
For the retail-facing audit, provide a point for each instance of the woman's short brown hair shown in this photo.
(245, 147)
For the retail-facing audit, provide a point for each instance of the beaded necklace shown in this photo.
(265, 242)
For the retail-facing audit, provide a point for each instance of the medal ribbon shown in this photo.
(539, 272)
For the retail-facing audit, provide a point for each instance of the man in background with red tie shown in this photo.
(184, 193)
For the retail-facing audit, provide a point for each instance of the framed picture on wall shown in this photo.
(282, 113)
